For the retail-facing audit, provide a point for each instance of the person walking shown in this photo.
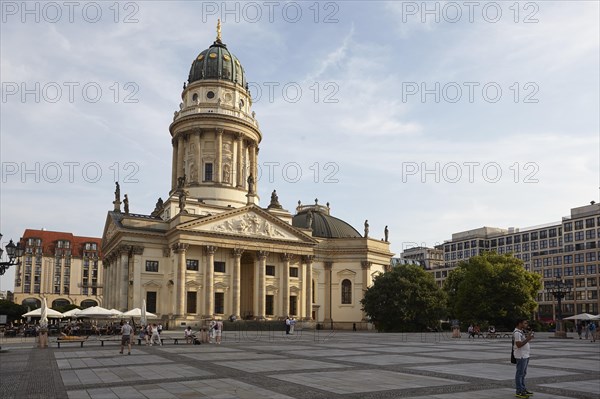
(579, 329)
(155, 336)
(211, 331)
(592, 328)
(522, 350)
(218, 331)
(287, 325)
(126, 331)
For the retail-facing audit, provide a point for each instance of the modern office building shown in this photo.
(61, 267)
(568, 249)
(209, 250)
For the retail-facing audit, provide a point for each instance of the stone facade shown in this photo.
(209, 250)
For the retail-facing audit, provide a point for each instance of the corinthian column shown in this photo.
(179, 249)
(308, 290)
(174, 165)
(237, 254)
(262, 264)
(219, 160)
(366, 269)
(327, 310)
(210, 280)
(238, 171)
(285, 284)
(180, 155)
(124, 278)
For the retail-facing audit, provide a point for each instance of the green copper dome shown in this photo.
(217, 62)
(324, 225)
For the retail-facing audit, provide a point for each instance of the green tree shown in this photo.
(404, 299)
(12, 310)
(492, 288)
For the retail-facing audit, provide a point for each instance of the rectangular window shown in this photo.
(544, 234)
(294, 305)
(568, 259)
(219, 267)
(293, 273)
(578, 224)
(579, 235)
(579, 270)
(568, 271)
(152, 266)
(269, 305)
(590, 257)
(590, 234)
(589, 223)
(151, 301)
(568, 226)
(270, 271)
(219, 303)
(534, 235)
(191, 264)
(591, 269)
(547, 273)
(208, 171)
(191, 302)
(578, 258)
(592, 282)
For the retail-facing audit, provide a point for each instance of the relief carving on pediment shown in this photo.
(251, 225)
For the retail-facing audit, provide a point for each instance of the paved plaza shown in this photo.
(309, 364)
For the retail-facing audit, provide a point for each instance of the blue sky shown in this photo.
(379, 115)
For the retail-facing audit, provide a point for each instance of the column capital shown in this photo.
(286, 257)
(365, 264)
(124, 249)
(237, 252)
(262, 254)
(238, 136)
(210, 249)
(328, 265)
(179, 247)
(308, 258)
(137, 250)
(219, 130)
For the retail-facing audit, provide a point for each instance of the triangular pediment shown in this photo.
(111, 228)
(249, 221)
(152, 283)
(346, 273)
(193, 284)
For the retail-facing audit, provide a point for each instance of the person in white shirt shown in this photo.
(189, 335)
(521, 339)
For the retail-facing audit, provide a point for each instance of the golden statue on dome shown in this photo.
(219, 29)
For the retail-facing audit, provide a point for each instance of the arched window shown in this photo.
(88, 303)
(32, 303)
(346, 292)
(60, 303)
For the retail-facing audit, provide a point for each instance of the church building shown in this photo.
(210, 250)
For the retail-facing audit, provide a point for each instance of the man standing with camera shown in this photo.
(522, 336)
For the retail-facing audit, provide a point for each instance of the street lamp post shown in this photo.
(14, 253)
(559, 288)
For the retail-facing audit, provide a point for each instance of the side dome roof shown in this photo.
(324, 225)
(217, 62)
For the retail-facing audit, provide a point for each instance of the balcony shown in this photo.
(89, 285)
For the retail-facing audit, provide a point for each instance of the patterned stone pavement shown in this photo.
(307, 365)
